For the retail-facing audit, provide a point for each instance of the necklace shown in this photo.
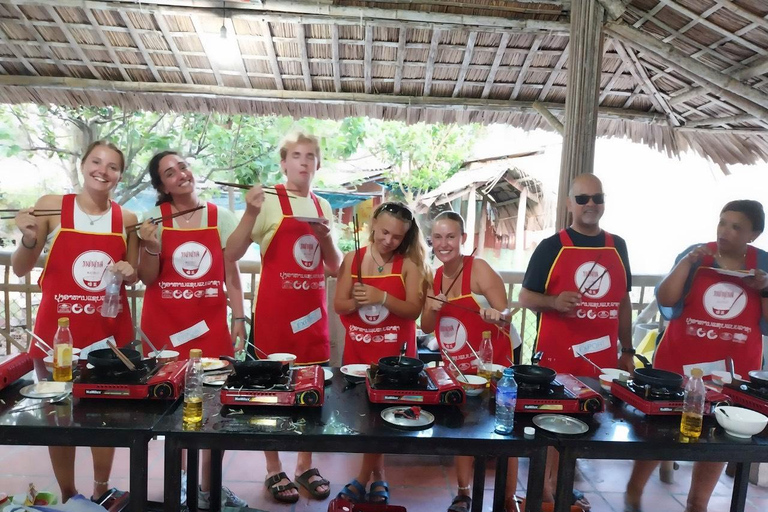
(188, 216)
(94, 221)
(380, 268)
(724, 267)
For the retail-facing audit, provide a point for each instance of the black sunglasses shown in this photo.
(583, 199)
(399, 210)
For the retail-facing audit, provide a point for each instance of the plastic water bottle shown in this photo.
(506, 399)
(111, 306)
(693, 405)
(62, 352)
(486, 356)
(193, 390)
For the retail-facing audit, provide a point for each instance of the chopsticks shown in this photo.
(248, 187)
(40, 343)
(154, 350)
(445, 353)
(38, 212)
(464, 264)
(462, 307)
(166, 217)
(127, 362)
(356, 227)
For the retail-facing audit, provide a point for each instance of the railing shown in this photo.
(19, 298)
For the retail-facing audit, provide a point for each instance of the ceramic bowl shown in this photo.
(473, 385)
(720, 377)
(740, 422)
(283, 357)
(611, 374)
(165, 356)
(48, 360)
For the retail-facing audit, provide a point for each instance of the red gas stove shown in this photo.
(149, 380)
(660, 400)
(433, 386)
(13, 367)
(566, 394)
(301, 386)
(749, 396)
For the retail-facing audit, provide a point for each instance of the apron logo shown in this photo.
(593, 279)
(725, 300)
(306, 252)
(453, 334)
(89, 269)
(192, 260)
(373, 314)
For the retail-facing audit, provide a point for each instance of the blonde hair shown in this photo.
(413, 245)
(294, 138)
(106, 144)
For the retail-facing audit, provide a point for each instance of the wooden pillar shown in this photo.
(471, 221)
(522, 210)
(581, 101)
(483, 226)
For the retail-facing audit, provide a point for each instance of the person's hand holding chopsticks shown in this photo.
(26, 221)
(366, 295)
(436, 305)
(254, 199)
(495, 316)
(148, 235)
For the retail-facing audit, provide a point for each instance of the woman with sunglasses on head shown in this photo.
(478, 288)
(704, 289)
(85, 237)
(183, 266)
(379, 295)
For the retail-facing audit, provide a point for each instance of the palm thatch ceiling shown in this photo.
(676, 74)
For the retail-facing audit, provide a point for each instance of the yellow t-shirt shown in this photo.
(226, 222)
(271, 215)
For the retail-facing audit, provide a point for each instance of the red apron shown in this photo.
(291, 313)
(186, 307)
(458, 327)
(372, 332)
(592, 327)
(73, 283)
(720, 318)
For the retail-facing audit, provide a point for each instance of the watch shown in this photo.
(628, 351)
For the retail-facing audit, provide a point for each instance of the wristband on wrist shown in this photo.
(241, 319)
(630, 350)
(151, 253)
(34, 243)
(384, 300)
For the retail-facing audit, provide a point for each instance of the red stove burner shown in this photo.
(748, 396)
(566, 394)
(149, 380)
(434, 386)
(14, 367)
(662, 401)
(303, 386)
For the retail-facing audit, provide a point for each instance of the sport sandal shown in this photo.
(275, 489)
(304, 481)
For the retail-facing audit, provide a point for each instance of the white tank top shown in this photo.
(86, 223)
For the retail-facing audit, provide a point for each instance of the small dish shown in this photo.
(355, 371)
(473, 385)
(740, 422)
(45, 389)
(560, 424)
(425, 419)
(210, 364)
(328, 375)
(214, 380)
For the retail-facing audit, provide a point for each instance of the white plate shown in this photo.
(214, 380)
(735, 273)
(312, 220)
(210, 364)
(45, 389)
(357, 371)
(328, 374)
(560, 424)
(425, 419)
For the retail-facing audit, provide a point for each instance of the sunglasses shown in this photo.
(398, 210)
(583, 199)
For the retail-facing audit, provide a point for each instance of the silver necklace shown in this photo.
(97, 219)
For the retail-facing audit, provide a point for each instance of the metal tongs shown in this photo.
(590, 362)
(450, 359)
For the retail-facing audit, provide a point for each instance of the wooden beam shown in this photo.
(720, 131)
(483, 224)
(549, 117)
(526, 64)
(32, 29)
(206, 47)
(616, 75)
(430, 65)
(717, 121)
(471, 104)
(522, 210)
(270, 47)
(19, 55)
(75, 45)
(367, 71)
(471, 224)
(553, 75)
(238, 61)
(105, 41)
(614, 8)
(401, 40)
(743, 74)
(160, 19)
(335, 58)
(301, 40)
(140, 45)
(495, 66)
(465, 63)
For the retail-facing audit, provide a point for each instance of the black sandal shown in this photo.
(379, 497)
(275, 489)
(354, 492)
(303, 480)
(461, 503)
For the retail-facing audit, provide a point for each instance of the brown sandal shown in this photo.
(275, 489)
(304, 481)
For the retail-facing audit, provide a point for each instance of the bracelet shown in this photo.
(101, 483)
(240, 319)
(384, 300)
(151, 253)
(465, 488)
(628, 350)
(26, 246)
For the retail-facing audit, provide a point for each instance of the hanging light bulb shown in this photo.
(223, 29)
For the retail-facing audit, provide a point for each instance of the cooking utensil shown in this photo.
(759, 378)
(654, 377)
(356, 236)
(729, 367)
(53, 400)
(402, 352)
(450, 359)
(248, 187)
(400, 369)
(135, 227)
(477, 312)
(259, 368)
(391, 416)
(104, 360)
(144, 336)
(47, 348)
(590, 362)
(560, 424)
(475, 353)
(127, 362)
(533, 374)
(36, 213)
(464, 263)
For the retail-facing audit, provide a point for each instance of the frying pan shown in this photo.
(759, 378)
(533, 373)
(106, 361)
(260, 367)
(654, 377)
(400, 369)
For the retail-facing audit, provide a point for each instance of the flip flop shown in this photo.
(275, 489)
(379, 497)
(304, 481)
(461, 503)
(581, 501)
(355, 497)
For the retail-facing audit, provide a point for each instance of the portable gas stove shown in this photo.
(301, 386)
(748, 395)
(661, 400)
(433, 386)
(566, 394)
(149, 380)
(13, 367)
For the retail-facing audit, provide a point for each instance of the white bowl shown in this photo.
(48, 360)
(473, 384)
(165, 356)
(740, 422)
(720, 377)
(611, 374)
(283, 357)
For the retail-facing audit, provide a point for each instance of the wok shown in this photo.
(759, 378)
(400, 369)
(654, 377)
(258, 368)
(533, 373)
(106, 361)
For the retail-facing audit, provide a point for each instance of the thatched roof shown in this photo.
(676, 74)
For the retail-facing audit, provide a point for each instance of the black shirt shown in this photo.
(544, 256)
